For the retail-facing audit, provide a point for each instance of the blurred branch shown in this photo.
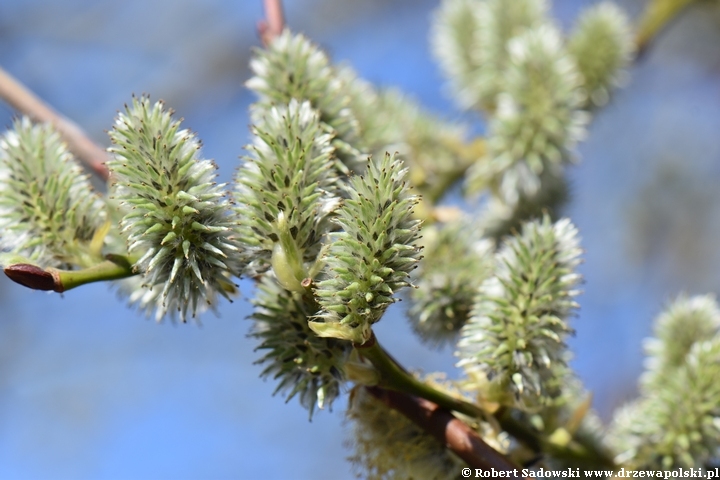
(274, 23)
(656, 16)
(26, 102)
(447, 429)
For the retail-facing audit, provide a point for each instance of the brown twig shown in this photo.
(23, 100)
(274, 23)
(442, 425)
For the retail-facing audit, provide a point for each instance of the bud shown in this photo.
(32, 276)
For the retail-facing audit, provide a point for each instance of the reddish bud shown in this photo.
(31, 276)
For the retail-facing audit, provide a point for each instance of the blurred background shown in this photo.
(89, 389)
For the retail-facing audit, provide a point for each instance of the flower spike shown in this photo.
(516, 333)
(178, 222)
(603, 46)
(304, 363)
(48, 209)
(371, 258)
(286, 191)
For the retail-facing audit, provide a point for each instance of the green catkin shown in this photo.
(516, 333)
(286, 191)
(603, 45)
(304, 364)
(292, 67)
(49, 212)
(177, 220)
(455, 263)
(538, 119)
(370, 259)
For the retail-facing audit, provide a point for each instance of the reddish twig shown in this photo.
(24, 101)
(274, 22)
(441, 424)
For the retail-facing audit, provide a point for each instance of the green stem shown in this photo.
(393, 377)
(115, 268)
(53, 279)
(437, 191)
(467, 154)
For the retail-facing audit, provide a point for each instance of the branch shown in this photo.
(657, 15)
(274, 24)
(24, 101)
(396, 378)
(450, 431)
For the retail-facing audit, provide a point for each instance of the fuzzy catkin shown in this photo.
(603, 45)
(470, 40)
(303, 363)
(455, 262)
(676, 423)
(292, 67)
(516, 333)
(370, 259)
(685, 322)
(287, 187)
(538, 119)
(49, 212)
(452, 41)
(178, 222)
(499, 22)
